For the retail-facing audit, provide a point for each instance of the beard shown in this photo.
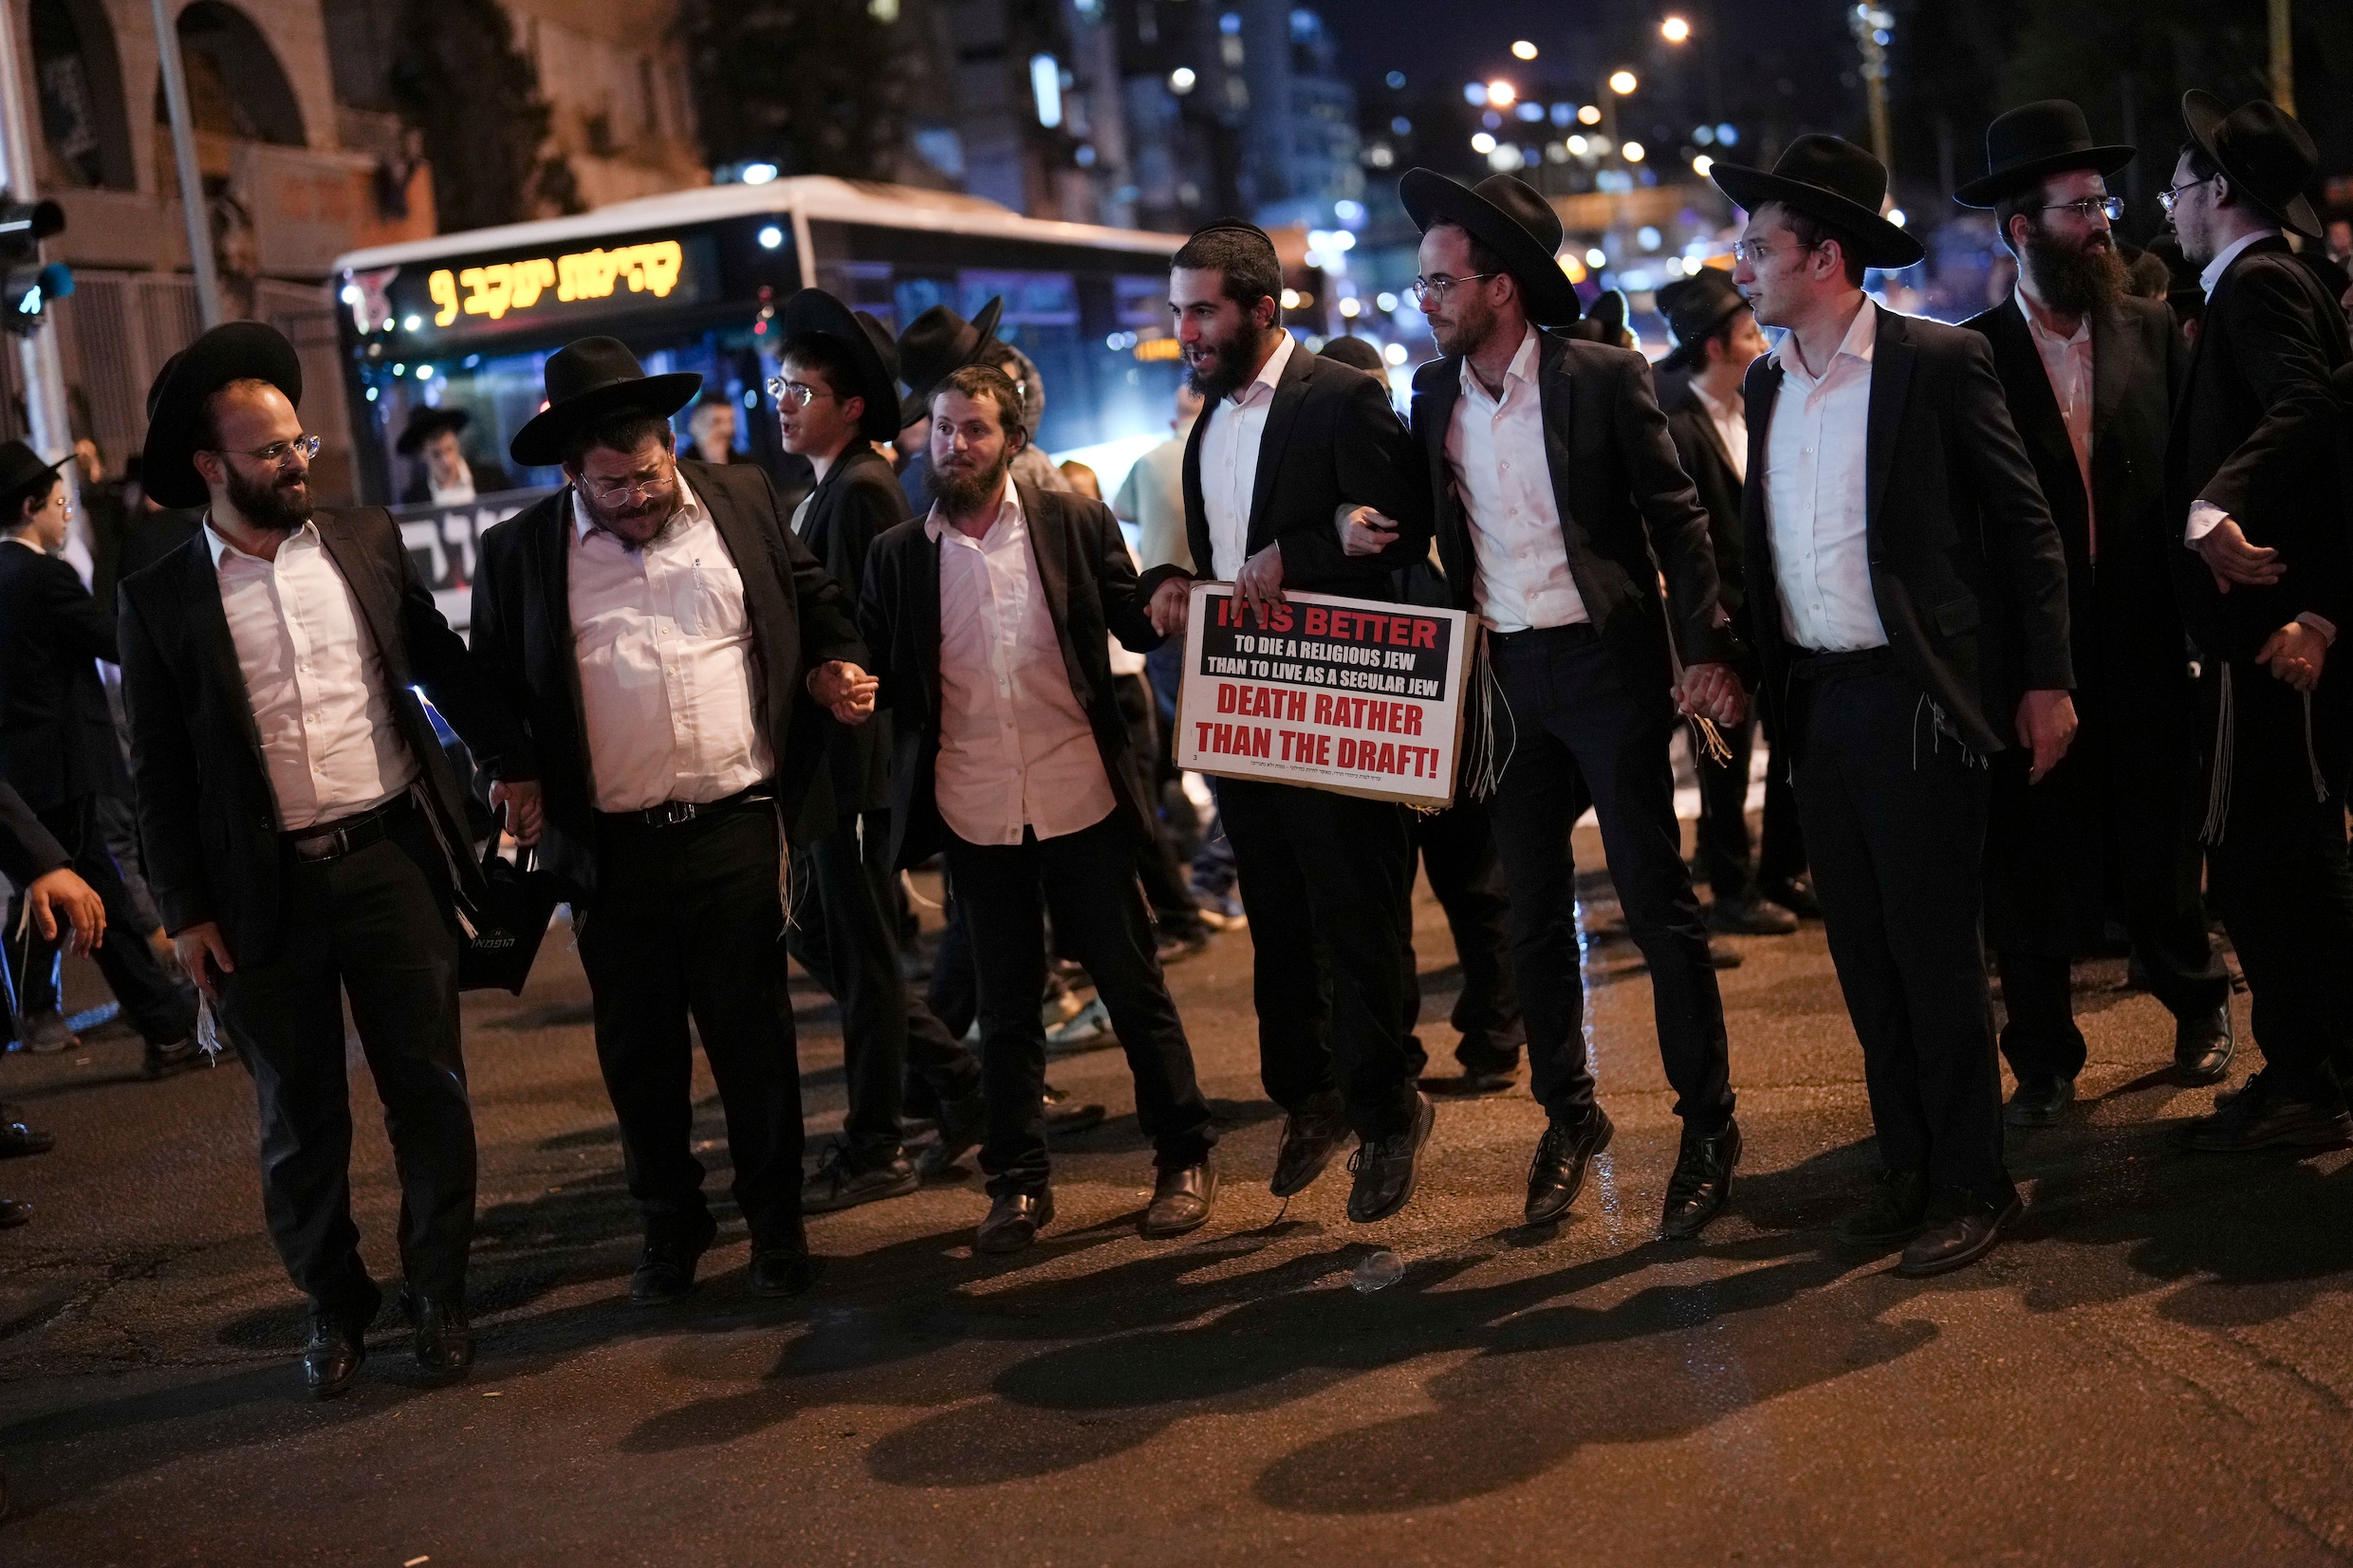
(1235, 359)
(280, 502)
(962, 488)
(2076, 278)
(634, 526)
(1474, 321)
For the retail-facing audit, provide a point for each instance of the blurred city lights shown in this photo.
(1622, 83)
(1524, 50)
(1701, 164)
(1597, 257)
(1045, 85)
(1180, 81)
(770, 238)
(1386, 300)
(1894, 215)
(757, 173)
(1482, 144)
(1646, 238)
(1500, 93)
(1589, 115)
(1349, 308)
(1578, 145)
(1633, 151)
(1475, 92)
(1674, 30)
(1395, 354)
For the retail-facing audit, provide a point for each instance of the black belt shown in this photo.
(349, 833)
(674, 813)
(1810, 664)
(1574, 635)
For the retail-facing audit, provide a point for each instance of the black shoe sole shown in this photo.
(1425, 1123)
(1160, 1233)
(1567, 1200)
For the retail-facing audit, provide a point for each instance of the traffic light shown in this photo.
(26, 283)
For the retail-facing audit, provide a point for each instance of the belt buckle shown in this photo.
(675, 812)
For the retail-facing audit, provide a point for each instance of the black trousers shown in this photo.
(688, 919)
(845, 932)
(1571, 718)
(2039, 1036)
(1457, 850)
(1724, 854)
(1327, 881)
(1088, 880)
(1895, 820)
(1166, 886)
(2279, 876)
(161, 1010)
(374, 926)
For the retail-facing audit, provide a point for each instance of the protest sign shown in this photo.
(440, 541)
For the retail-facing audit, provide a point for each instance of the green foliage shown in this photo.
(460, 80)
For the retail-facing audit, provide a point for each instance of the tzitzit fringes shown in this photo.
(1709, 739)
(2218, 778)
(1482, 768)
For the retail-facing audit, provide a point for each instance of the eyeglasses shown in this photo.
(306, 447)
(1754, 251)
(2110, 208)
(794, 394)
(630, 495)
(2171, 193)
(1425, 290)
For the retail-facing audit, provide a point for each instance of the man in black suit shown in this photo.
(2266, 588)
(1327, 879)
(989, 620)
(445, 477)
(665, 636)
(1908, 598)
(62, 905)
(2089, 373)
(837, 395)
(1716, 339)
(306, 836)
(57, 747)
(1561, 562)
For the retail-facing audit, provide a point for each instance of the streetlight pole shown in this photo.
(1870, 27)
(2283, 56)
(50, 428)
(193, 205)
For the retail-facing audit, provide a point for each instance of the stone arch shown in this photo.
(235, 86)
(79, 78)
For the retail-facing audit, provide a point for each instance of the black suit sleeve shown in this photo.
(878, 620)
(26, 848)
(78, 625)
(164, 770)
(2022, 544)
(1677, 523)
(1376, 463)
(461, 686)
(493, 644)
(1115, 570)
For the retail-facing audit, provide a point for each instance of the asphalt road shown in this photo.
(2158, 1369)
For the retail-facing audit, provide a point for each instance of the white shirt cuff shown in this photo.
(2326, 627)
(2205, 517)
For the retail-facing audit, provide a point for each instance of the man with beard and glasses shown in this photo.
(1287, 441)
(304, 833)
(989, 618)
(2087, 372)
(677, 651)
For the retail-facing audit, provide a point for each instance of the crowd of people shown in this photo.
(2035, 611)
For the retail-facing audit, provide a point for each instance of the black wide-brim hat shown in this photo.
(870, 349)
(1509, 218)
(939, 344)
(590, 381)
(2034, 142)
(1833, 181)
(426, 423)
(20, 466)
(233, 351)
(2268, 156)
(1694, 309)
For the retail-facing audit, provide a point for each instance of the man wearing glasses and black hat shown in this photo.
(2266, 588)
(445, 477)
(665, 633)
(2088, 373)
(1907, 593)
(303, 829)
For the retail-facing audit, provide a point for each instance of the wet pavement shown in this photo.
(2156, 1368)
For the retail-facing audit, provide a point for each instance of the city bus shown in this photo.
(690, 281)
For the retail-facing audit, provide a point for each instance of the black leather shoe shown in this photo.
(1702, 1180)
(1067, 1115)
(841, 1182)
(336, 1343)
(2260, 1117)
(781, 1271)
(665, 1272)
(1310, 1136)
(961, 1124)
(1723, 955)
(1384, 1168)
(2203, 1047)
(1749, 917)
(16, 1139)
(1014, 1220)
(1794, 893)
(13, 1212)
(444, 1338)
(1181, 1200)
(2038, 1101)
(1557, 1174)
(1960, 1230)
(1897, 1209)
(171, 1056)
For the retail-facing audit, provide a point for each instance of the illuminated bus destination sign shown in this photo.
(652, 267)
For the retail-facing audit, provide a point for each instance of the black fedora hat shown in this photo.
(426, 423)
(591, 379)
(233, 351)
(1509, 218)
(939, 344)
(1356, 354)
(1696, 307)
(20, 468)
(1833, 181)
(2269, 157)
(870, 349)
(2032, 143)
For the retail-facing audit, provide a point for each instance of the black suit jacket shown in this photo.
(1699, 448)
(57, 740)
(1628, 509)
(208, 818)
(1330, 438)
(1089, 582)
(857, 501)
(27, 850)
(2254, 433)
(1967, 569)
(523, 637)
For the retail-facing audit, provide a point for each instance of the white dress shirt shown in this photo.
(2067, 363)
(1495, 451)
(1229, 461)
(1015, 747)
(315, 678)
(1815, 511)
(1730, 420)
(667, 687)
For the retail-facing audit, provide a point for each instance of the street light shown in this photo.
(1589, 114)
(1524, 50)
(1500, 93)
(1674, 30)
(1622, 82)
(1633, 151)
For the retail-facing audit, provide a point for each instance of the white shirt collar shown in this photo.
(1723, 412)
(936, 522)
(1269, 373)
(690, 511)
(2221, 264)
(1522, 368)
(1862, 337)
(221, 547)
(2034, 322)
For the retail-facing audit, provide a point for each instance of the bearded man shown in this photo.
(2087, 371)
